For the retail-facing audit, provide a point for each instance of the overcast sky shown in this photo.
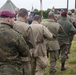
(46, 3)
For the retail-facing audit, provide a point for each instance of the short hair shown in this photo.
(50, 14)
(36, 17)
(22, 12)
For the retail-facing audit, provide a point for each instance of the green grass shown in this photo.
(70, 64)
(44, 20)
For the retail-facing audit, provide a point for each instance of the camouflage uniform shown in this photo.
(40, 53)
(12, 48)
(64, 38)
(26, 31)
(53, 45)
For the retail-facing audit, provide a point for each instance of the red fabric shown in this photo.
(7, 13)
(64, 13)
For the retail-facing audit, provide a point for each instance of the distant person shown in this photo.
(69, 16)
(30, 19)
(64, 38)
(74, 18)
(74, 14)
(12, 46)
(71, 19)
(16, 12)
(39, 54)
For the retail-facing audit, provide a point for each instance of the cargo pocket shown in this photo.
(42, 61)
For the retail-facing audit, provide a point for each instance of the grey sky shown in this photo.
(46, 3)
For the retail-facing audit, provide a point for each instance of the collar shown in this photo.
(35, 22)
(64, 18)
(51, 20)
(21, 19)
(11, 26)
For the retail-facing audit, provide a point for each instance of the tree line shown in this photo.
(45, 12)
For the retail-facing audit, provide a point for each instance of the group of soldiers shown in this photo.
(24, 48)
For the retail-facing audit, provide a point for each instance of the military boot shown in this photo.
(62, 67)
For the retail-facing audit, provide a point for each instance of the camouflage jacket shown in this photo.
(69, 30)
(12, 45)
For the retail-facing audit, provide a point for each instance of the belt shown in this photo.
(25, 59)
(39, 42)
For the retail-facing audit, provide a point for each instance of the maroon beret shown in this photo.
(7, 13)
(64, 13)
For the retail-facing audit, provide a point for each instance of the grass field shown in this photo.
(70, 64)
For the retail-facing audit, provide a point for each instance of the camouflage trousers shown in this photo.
(53, 58)
(70, 43)
(64, 52)
(11, 70)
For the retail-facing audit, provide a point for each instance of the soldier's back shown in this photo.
(38, 32)
(10, 62)
(53, 28)
(21, 27)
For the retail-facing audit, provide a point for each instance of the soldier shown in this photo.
(12, 47)
(53, 45)
(26, 31)
(16, 11)
(40, 53)
(74, 18)
(70, 18)
(64, 38)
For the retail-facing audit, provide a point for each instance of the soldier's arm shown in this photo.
(61, 30)
(23, 47)
(73, 21)
(72, 29)
(30, 38)
(47, 34)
